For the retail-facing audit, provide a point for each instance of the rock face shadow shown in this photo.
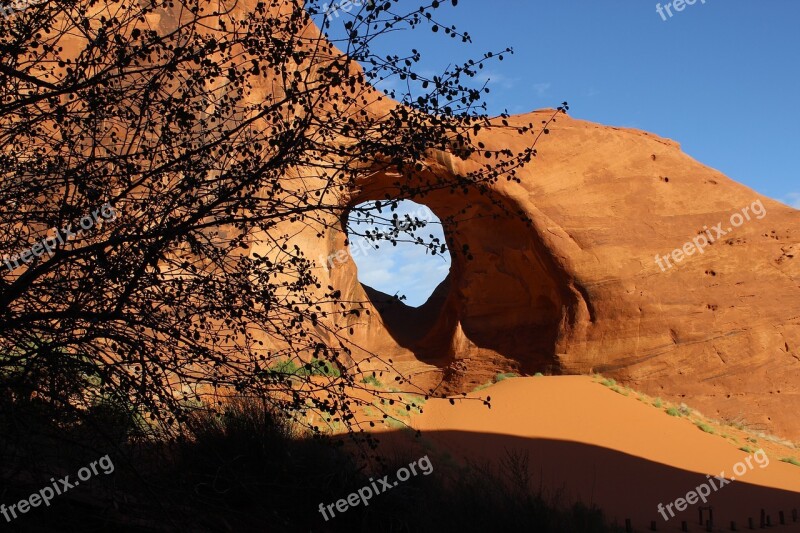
(506, 296)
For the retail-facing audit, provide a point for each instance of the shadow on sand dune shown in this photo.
(622, 485)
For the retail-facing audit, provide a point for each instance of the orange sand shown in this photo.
(600, 447)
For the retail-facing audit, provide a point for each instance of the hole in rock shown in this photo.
(399, 250)
(502, 302)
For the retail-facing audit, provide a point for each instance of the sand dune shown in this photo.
(614, 451)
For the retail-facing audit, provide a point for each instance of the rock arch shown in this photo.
(564, 277)
(474, 316)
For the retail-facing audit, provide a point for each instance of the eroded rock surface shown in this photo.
(578, 289)
(564, 278)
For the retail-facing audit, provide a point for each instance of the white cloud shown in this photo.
(375, 269)
(495, 79)
(403, 269)
(792, 199)
(541, 88)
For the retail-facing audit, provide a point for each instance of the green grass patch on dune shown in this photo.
(657, 403)
(483, 386)
(705, 427)
(496, 379)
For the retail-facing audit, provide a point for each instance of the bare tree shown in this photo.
(208, 133)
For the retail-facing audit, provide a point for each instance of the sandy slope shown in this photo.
(619, 453)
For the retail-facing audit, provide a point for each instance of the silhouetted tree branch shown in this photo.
(214, 132)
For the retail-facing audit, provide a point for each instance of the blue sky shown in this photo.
(721, 78)
(405, 269)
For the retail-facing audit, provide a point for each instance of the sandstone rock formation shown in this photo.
(578, 290)
(563, 276)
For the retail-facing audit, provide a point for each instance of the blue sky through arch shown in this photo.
(405, 269)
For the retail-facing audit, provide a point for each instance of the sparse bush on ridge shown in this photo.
(657, 403)
(703, 422)
(672, 411)
(497, 378)
(705, 428)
